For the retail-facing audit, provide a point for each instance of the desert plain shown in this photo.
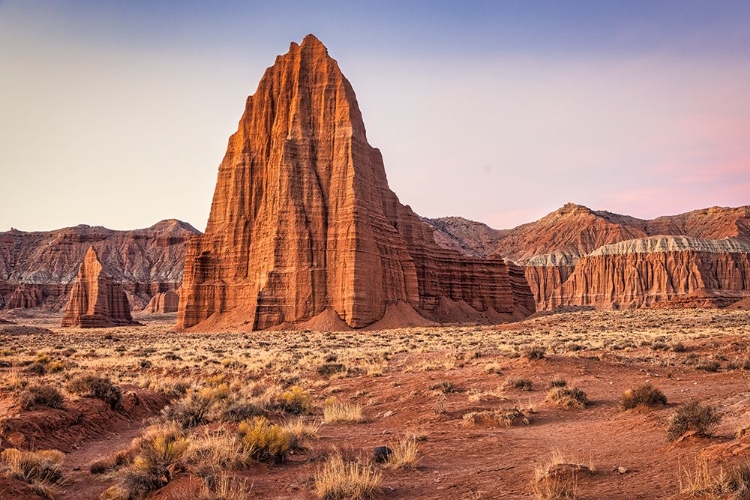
(467, 412)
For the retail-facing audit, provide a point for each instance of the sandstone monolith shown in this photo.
(304, 229)
(96, 300)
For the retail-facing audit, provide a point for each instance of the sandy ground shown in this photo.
(421, 382)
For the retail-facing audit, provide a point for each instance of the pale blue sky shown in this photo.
(118, 113)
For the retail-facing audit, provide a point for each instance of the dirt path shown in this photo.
(82, 484)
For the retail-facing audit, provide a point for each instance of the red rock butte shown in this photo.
(304, 231)
(96, 301)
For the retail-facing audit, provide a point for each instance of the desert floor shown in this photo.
(467, 410)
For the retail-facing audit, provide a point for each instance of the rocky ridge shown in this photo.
(576, 238)
(38, 268)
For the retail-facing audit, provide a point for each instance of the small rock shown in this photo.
(76, 468)
(389, 413)
(622, 470)
(381, 453)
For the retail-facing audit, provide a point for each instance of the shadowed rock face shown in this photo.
(96, 301)
(303, 223)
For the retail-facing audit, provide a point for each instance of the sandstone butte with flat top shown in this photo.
(96, 300)
(304, 231)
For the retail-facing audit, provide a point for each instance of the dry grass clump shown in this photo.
(522, 384)
(643, 395)
(157, 455)
(405, 454)
(296, 400)
(190, 411)
(445, 386)
(558, 478)
(353, 480)
(41, 395)
(333, 412)
(569, 397)
(112, 462)
(220, 448)
(535, 352)
(505, 417)
(42, 470)
(557, 382)
(265, 440)
(93, 386)
(705, 483)
(692, 416)
(224, 487)
(302, 429)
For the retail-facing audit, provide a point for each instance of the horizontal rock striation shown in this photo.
(657, 270)
(304, 226)
(96, 300)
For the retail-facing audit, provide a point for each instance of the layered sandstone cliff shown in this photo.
(38, 268)
(663, 269)
(164, 302)
(304, 226)
(550, 248)
(96, 300)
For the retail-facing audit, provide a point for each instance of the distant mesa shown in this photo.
(304, 231)
(96, 301)
(576, 256)
(37, 269)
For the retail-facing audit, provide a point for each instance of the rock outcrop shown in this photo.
(550, 248)
(38, 268)
(665, 270)
(303, 224)
(96, 300)
(164, 302)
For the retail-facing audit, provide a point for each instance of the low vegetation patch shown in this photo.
(521, 384)
(535, 352)
(692, 416)
(42, 469)
(569, 397)
(41, 395)
(333, 412)
(504, 417)
(93, 386)
(405, 454)
(643, 395)
(265, 440)
(340, 480)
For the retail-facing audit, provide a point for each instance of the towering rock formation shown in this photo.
(38, 268)
(164, 302)
(303, 225)
(96, 301)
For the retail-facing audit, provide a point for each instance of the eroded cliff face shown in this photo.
(550, 248)
(96, 300)
(303, 224)
(658, 270)
(38, 268)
